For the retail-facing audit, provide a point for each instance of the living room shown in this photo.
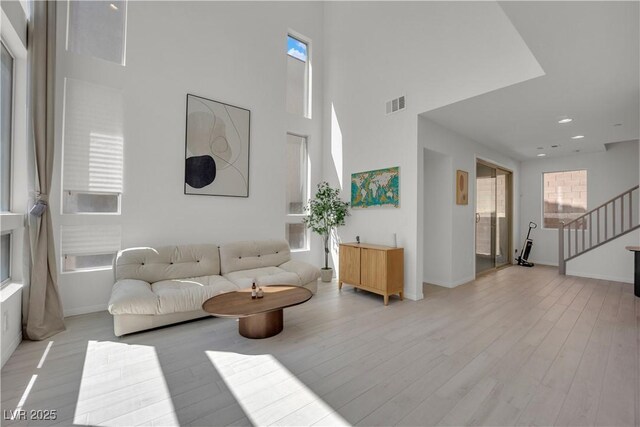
(466, 77)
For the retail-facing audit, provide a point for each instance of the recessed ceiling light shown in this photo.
(113, 6)
(541, 155)
(577, 137)
(565, 120)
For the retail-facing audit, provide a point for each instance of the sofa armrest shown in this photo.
(306, 272)
(130, 296)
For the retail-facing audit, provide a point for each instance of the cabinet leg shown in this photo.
(339, 285)
(401, 295)
(386, 300)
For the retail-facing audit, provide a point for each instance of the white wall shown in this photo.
(461, 222)
(233, 52)
(609, 173)
(435, 53)
(438, 210)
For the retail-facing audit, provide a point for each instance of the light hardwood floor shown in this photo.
(516, 347)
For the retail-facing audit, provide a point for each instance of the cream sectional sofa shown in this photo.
(160, 286)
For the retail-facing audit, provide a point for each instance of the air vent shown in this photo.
(396, 105)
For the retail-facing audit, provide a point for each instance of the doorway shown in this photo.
(493, 216)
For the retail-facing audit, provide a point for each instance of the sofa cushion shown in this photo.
(306, 272)
(131, 296)
(253, 254)
(168, 262)
(263, 276)
(179, 295)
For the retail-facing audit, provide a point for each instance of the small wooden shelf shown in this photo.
(374, 268)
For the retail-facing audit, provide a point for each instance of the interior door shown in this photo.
(485, 218)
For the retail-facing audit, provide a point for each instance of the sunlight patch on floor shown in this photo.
(268, 393)
(122, 384)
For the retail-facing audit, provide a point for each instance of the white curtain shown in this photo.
(43, 315)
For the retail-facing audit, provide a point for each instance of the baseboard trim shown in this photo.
(413, 297)
(8, 351)
(436, 283)
(463, 281)
(85, 310)
(601, 277)
(450, 284)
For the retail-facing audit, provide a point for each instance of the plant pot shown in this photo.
(326, 274)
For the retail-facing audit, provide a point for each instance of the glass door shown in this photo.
(493, 217)
(485, 218)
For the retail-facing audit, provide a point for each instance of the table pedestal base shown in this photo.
(263, 325)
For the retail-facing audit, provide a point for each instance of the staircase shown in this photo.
(601, 225)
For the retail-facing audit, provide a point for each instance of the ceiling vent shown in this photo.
(396, 105)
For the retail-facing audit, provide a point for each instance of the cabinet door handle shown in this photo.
(477, 217)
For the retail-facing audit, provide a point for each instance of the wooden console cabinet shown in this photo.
(374, 268)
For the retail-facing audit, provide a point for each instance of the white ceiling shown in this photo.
(590, 54)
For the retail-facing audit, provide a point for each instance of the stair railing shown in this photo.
(583, 234)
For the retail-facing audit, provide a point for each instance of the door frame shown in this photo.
(509, 210)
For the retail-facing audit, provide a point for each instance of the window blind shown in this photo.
(93, 141)
(90, 240)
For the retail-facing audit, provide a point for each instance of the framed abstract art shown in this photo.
(216, 148)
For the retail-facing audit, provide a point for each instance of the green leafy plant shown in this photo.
(326, 212)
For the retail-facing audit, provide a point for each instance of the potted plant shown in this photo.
(326, 213)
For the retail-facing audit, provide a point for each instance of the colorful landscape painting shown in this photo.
(376, 188)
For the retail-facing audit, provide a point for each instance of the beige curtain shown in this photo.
(43, 316)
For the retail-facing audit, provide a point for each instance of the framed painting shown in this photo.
(376, 188)
(462, 187)
(216, 148)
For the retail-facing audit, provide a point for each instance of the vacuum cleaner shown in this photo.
(526, 248)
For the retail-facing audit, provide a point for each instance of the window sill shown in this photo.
(88, 270)
(11, 221)
(295, 251)
(91, 213)
(8, 290)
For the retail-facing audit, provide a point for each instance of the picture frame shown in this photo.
(376, 188)
(217, 147)
(462, 187)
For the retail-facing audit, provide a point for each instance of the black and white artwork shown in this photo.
(217, 148)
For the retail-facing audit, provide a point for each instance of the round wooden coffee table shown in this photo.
(259, 318)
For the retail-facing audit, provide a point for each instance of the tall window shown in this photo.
(6, 123)
(93, 133)
(298, 77)
(297, 193)
(565, 196)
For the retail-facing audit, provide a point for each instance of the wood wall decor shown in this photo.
(462, 187)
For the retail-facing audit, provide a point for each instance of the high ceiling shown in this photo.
(590, 55)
